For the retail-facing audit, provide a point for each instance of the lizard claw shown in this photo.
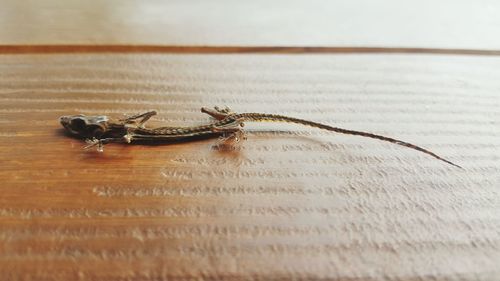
(226, 110)
(94, 142)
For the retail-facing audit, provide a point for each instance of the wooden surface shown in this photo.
(359, 23)
(289, 203)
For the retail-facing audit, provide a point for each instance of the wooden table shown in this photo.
(290, 202)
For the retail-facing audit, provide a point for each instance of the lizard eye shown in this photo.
(78, 124)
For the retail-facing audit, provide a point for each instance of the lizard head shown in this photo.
(85, 126)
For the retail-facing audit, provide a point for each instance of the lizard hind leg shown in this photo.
(218, 113)
(230, 137)
(225, 110)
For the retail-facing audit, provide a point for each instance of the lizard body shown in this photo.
(99, 130)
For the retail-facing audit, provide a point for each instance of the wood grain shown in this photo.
(161, 49)
(290, 202)
(359, 23)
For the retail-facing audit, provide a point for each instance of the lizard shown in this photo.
(100, 130)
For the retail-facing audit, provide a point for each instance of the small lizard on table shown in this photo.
(100, 130)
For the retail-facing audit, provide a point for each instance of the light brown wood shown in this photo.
(160, 49)
(290, 202)
(360, 23)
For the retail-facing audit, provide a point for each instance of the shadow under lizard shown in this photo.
(100, 130)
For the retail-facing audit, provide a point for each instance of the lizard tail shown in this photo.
(262, 117)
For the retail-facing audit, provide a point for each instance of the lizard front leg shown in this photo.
(99, 143)
(143, 116)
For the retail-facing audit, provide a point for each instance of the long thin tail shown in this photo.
(262, 117)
